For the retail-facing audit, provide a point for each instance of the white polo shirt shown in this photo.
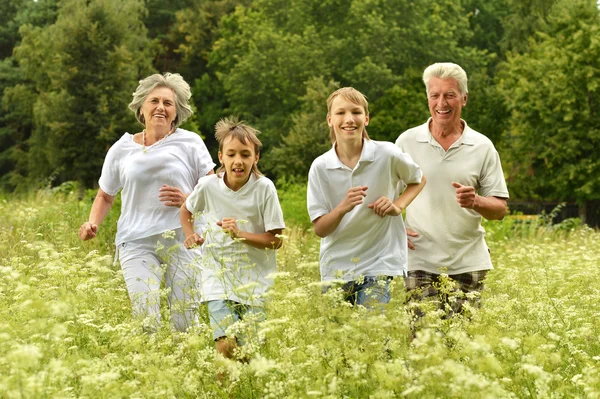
(363, 244)
(451, 238)
(231, 269)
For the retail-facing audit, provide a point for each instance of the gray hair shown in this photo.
(173, 81)
(446, 70)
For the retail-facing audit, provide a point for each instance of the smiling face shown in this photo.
(445, 102)
(237, 158)
(347, 120)
(159, 109)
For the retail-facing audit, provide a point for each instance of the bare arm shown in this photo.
(327, 224)
(385, 207)
(491, 208)
(100, 208)
(409, 194)
(186, 218)
(266, 240)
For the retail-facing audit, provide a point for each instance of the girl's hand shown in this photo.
(384, 206)
(87, 231)
(354, 197)
(171, 196)
(193, 240)
(230, 227)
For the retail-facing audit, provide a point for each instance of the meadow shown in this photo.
(66, 330)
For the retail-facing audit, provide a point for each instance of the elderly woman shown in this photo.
(155, 169)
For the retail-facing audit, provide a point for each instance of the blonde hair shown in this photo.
(446, 70)
(354, 96)
(173, 81)
(236, 129)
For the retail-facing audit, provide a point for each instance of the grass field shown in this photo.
(66, 330)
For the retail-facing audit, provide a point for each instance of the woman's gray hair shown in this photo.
(173, 81)
(446, 70)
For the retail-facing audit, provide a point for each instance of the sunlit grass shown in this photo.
(66, 328)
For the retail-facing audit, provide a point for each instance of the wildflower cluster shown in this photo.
(66, 328)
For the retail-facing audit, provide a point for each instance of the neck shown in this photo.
(349, 152)
(445, 132)
(156, 134)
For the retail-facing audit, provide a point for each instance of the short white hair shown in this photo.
(446, 70)
(173, 81)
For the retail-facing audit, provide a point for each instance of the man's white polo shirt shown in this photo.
(451, 238)
(363, 244)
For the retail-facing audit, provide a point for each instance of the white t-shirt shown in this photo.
(451, 238)
(363, 244)
(231, 269)
(179, 160)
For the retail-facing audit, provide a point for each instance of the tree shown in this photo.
(553, 93)
(16, 94)
(84, 68)
(268, 52)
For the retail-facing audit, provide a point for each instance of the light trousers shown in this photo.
(145, 262)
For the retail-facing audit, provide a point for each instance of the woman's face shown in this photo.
(159, 108)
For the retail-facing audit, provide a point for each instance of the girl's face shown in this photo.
(347, 120)
(237, 158)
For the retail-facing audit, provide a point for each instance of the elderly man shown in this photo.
(465, 183)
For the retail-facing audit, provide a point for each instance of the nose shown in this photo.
(442, 101)
(349, 118)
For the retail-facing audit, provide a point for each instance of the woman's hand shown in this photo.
(87, 231)
(193, 240)
(171, 196)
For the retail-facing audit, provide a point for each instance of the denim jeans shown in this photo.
(370, 291)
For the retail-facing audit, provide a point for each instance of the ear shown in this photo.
(329, 120)
(465, 99)
(220, 157)
(257, 158)
(367, 120)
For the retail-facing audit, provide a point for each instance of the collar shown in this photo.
(467, 137)
(332, 161)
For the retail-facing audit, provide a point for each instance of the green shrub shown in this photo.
(292, 196)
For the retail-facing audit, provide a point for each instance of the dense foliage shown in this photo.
(67, 70)
(66, 329)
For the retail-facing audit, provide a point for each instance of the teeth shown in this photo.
(443, 112)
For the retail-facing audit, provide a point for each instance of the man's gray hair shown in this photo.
(446, 70)
(173, 81)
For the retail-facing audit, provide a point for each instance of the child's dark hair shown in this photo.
(236, 129)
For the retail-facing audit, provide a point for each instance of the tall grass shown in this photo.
(66, 330)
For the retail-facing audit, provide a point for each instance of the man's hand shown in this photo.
(466, 196)
(410, 233)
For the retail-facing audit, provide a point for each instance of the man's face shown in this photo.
(445, 102)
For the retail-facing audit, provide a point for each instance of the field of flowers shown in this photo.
(66, 330)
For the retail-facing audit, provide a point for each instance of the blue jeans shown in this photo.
(224, 313)
(371, 292)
